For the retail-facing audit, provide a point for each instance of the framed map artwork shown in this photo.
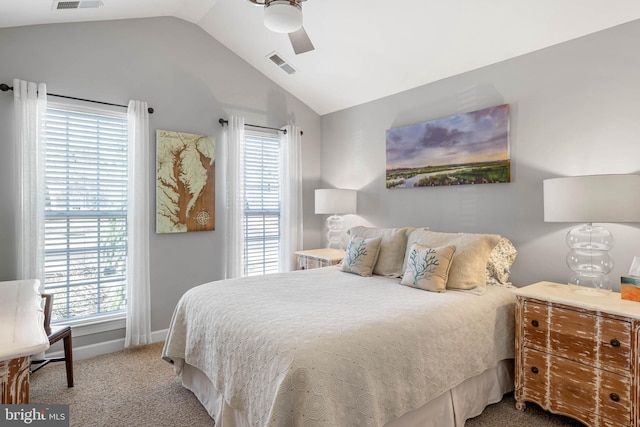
(470, 148)
(185, 180)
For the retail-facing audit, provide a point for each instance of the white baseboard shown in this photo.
(97, 349)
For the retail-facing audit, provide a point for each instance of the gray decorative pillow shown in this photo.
(428, 268)
(392, 247)
(500, 261)
(361, 255)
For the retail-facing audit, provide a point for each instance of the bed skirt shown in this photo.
(450, 409)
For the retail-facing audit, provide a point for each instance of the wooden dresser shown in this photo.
(315, 258)
(578, 355)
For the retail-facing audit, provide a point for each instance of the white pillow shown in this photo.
(392, 248)
(428, 268)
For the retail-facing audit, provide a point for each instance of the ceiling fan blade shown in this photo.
(300, 41)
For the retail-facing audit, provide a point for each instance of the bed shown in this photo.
(327, 347)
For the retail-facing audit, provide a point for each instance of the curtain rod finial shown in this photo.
(222, 121)
(5, 87)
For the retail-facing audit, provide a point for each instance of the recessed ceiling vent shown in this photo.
(277, 59)
(84, 4)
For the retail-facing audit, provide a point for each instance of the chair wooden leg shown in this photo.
(68, 359)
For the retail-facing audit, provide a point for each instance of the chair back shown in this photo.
(48, 307)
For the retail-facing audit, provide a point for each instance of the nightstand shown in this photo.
(578, 355)
(314, 258)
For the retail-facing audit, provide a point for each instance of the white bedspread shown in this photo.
(326, 348)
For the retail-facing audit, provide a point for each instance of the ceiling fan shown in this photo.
(285, 16)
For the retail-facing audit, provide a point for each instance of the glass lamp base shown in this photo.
(335, 231)
(589, 259)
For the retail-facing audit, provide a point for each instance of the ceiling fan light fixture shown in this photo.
(283, 16)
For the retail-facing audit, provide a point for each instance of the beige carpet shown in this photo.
(137, 388)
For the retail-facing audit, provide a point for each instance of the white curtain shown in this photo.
(234, 174)
(138, 323)
(290, 197)
(30, 106)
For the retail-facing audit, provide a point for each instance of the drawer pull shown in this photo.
(534, 369)
(535, 323)
(614, 397)
(614, 343)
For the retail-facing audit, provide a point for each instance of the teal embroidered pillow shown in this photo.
(428, 268)
(361, 255)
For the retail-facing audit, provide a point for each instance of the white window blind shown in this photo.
(85, 211)
(262, 203)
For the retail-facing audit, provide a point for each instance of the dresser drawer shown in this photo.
(310, 263)
(535, 376)
(535, 325)
(580, 391)
(615, 345)
(603, 342)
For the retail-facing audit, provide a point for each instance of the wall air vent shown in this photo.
(84, 4)
(277, 59)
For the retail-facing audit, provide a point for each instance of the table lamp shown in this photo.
(590, 199)
(335, 202)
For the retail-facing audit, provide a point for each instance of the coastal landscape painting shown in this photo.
(470, 148)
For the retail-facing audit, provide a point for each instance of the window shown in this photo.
(85, 211)
(262, 203)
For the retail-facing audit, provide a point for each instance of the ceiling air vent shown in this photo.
(66, 4)
(288, 68)
(277, 59)
(84, 4)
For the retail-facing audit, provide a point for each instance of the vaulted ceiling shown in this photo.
(364, 49)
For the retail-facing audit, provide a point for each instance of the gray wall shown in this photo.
(191, 80)
(575, 110)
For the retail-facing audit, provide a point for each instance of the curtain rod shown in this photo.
(226, 122)
(5, 87)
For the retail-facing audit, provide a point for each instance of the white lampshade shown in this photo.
(282, 16)
(336, 201)
(592, 198)
(589, 199)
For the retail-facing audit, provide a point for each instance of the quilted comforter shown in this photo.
(325, 348)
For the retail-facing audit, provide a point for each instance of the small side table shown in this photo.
(315, 258)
